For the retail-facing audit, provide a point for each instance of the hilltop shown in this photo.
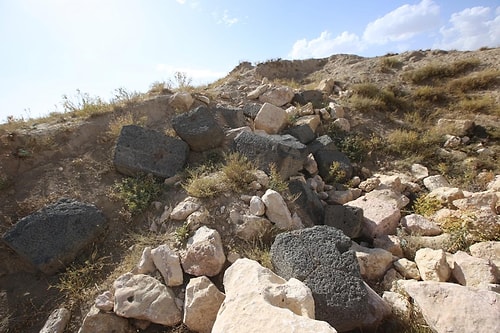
(392, 106)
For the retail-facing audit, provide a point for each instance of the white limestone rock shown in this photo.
(449, 307)
(277, 211)
(99, 321)
(278, 96)
(380, 217)
(257, 300)
(432, 265)
(146, 264)
(253, 227)
(390, 243)
(419, 225)
(434, 182)
(254, 94)
(167, 262)
(57, 321)
(487, 250)
(419, 171)
(446, 194)
(184, 209)
(407, 268)
(204, 253)
(257, 206)
(271, 119)
(105, 301)
(181, 101)
(473, 272)
(201, 303)
(143, 297)
(373, 263)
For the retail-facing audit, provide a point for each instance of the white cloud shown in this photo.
(403, 23)
(325, 45)
(226, 19)
(399, 25)
(471, 29)
(181, 1)
(198, 75)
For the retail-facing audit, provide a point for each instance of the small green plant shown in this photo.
(204, 183)
(239, 171)
(182, 234)
(137, 192)
(426, 206)
(403, 142)
(354, 145)
(336, 174)
(276, 182)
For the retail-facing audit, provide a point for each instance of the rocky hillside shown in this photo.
(343, 194)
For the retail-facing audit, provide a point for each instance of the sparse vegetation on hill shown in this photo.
(393, 104)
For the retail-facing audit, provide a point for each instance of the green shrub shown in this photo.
(426, 206)
(239, 171)
(336, 174)
(137, 192)
(369, 97)
(403, 142)
(276, 182)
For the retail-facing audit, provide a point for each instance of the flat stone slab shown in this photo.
(52, 237)
(141, 150)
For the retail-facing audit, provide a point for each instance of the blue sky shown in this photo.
(53, 47)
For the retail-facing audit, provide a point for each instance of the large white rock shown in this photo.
(146, 264)
(184, 209)
(407, 268)
(257, 207)
(391, 243)
(446, 194)
(181, 101)
(257, 300)
(419, 225)
(373, 263)
(57, 321)
(99, 321)
(480, 200)
(167, 262)
(380, 217)
(204, 253)
(471, 271)
(277, 96)
(419, 171)
(487, 250)
(389, 195)
(449, 307)
(434, 182)
(144, 297)
(432, 265)
(253, 227)
(277, 211)
(254, 94)
(201, 304)
(270, 119)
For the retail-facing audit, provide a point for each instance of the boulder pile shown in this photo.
(335, 245)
